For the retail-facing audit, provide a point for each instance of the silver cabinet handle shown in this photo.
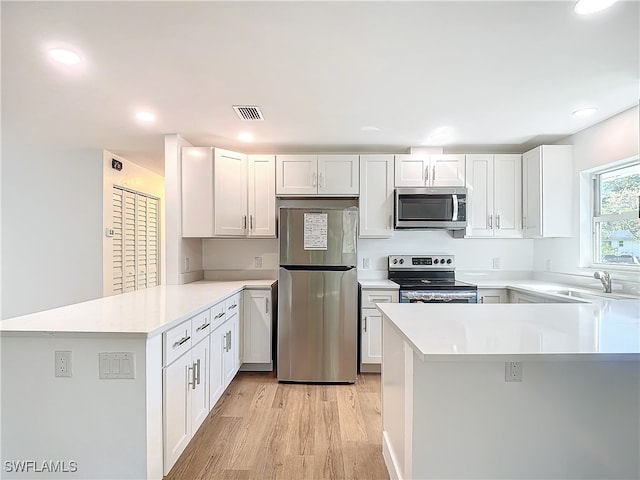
(181, 342)
(426, 174)
(244, 222)
(192, 374)
(229, 341)
(251, 222)
(203, 326)
(235, 305)
(365, 324)
(266, 306)
(481, 299)
(224, 342)
(221, 314)
(490, 221)
(498, 221)
(433, 175)
(197, 365)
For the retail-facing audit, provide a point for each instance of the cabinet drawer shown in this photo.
(176, 342)
(218, 315)
(232, 305)
(371, 297)
(200, 326)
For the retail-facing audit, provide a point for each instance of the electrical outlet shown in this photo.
(63, 364)
(496, 263)
(513, 371)
(257, 262)
(366, 263)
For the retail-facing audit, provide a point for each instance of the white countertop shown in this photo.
(144, 312)
(381, 283)
(459, 332)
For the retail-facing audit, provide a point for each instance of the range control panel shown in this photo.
(421, 262)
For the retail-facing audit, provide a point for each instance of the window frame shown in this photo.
(597, 217)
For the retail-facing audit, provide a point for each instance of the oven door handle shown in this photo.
(455, 208)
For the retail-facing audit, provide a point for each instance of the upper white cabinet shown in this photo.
(417, 170)
(494, 202)
(376, 196)
(317, 175)
(547, 191)
(227, 194)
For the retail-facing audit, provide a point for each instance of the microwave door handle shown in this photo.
(455, 208)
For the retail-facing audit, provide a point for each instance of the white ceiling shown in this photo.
(503, 75)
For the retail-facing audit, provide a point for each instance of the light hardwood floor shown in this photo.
(262, 429)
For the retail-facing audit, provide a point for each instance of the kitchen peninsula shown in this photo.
(119, 385)
(449, 411)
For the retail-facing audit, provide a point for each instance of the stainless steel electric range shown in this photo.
(429, 279)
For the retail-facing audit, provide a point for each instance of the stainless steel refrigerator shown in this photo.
(317, 290)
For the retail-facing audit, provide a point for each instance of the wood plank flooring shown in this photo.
(262, 429)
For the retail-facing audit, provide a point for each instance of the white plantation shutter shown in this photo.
(135, 241)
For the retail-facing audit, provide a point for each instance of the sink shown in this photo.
(570, 292)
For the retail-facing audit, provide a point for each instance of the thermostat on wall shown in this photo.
(116, 164)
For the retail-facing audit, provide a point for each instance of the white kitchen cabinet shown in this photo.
(230, 193)
(262, 195)
(420, 170)
(493, 295)
(494, 202)
(376, 196)
(519, 297)
(547, 191)
(199, 384)
(231, 345)
(227, 194)
(317, 175)
(371, 326)
(256, 329)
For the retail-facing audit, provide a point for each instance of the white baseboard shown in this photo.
(389, 459)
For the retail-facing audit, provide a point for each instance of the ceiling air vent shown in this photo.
(248, 112)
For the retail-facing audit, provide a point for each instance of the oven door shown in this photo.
(438, 296)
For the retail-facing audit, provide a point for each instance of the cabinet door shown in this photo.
(411, 170)
(262, 195)
(199, 384)
(479, 177)
(216, 379)
(447, 170)
(531, 193)
(230, 193)
(296, 174)
(256, 326)
(376, 196)
(371, 336)
(176, 409)
(197, 192)
(492, 295)
(338, 175)
(507, 194)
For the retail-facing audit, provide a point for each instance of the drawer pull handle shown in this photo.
(203, 326)
(181, 342)
(365, 324)
(233, 306)
(221, 314)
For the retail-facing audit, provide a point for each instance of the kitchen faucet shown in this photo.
(605, 278)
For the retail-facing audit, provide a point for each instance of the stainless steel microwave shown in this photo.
(431, 207)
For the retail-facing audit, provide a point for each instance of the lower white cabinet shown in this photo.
(493, 295)
(519, 297)
(186, 400)
(371, 326)
(256, 330)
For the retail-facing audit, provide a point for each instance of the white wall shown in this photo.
(51, 226)
(136, 178)
(231, 258)
(609, 141)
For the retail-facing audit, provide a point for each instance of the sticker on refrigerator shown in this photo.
(315, 231)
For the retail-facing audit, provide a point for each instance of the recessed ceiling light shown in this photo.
(64, 56)
(245, 137)
(146, 116)
(584, 112)
(586, 7)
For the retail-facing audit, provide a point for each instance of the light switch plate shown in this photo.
(115, 365)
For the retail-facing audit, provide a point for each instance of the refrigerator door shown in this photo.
(317, 325)
(319, 236)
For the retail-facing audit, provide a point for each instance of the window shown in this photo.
(616, 211)
(135, 240)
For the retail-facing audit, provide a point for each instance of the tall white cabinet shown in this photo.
(257, 332)
(494, 195)
(418, 170)
(227, 194)
(547, 191)
(376, 196)
(317, 175)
